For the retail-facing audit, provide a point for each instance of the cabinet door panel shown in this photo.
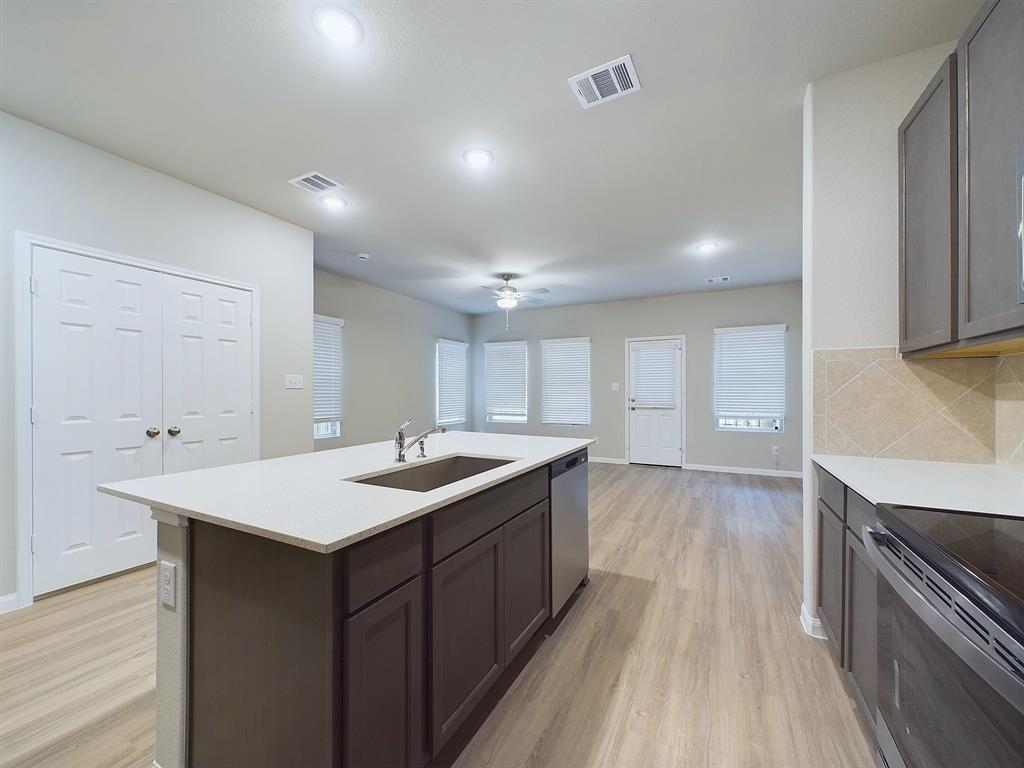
(830, 577)
(384, 682)
(991, 118)
(928, 238)
(467, 632)
(860, 625)
(527, 577)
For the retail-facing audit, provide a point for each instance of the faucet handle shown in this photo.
(406, 424)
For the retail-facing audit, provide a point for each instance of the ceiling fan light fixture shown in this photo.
(507, 302)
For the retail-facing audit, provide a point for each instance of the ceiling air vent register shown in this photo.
(314, 182)
(604, 83)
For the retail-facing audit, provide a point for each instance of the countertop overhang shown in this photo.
(305, 500)
(983, 489)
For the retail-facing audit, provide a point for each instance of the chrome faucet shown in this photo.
(401, 442)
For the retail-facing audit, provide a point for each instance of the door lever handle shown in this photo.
(152, 432)
(174, 431)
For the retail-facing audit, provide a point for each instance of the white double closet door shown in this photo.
(134, 373)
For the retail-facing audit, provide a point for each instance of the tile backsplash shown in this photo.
(1009, 412)
(869, 402)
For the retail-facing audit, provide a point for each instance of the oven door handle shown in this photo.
(1003, 681)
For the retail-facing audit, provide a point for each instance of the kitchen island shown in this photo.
(339, 609)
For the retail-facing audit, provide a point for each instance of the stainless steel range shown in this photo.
(950, 638)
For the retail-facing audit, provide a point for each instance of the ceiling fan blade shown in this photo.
(531, 299)
(538, 291)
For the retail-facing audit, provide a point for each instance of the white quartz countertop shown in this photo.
(980, 488)
(306, 500)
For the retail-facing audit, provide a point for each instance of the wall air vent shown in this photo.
(314, 182)
(717, 280)
(604, 83)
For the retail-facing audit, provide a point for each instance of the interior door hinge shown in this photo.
(33, 415)
(33, 285)
(252, 319)
(32, 543)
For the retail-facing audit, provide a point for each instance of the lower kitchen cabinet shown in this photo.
(831, 552)
(385, 682)
(527, 568)
(467, 632)
(860, 621)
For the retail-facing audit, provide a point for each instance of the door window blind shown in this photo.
(750, 372)
(505, 381)
(451, 382)
(654, 377)
(327, 372)
(565, 374)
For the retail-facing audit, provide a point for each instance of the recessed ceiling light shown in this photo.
(707, 247)
(338, 25)
(333, 202)
(363, 256)
(478, 157)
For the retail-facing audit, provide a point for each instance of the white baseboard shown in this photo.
(605, 460)
(745, 470)
(811, 625)
(9, 602)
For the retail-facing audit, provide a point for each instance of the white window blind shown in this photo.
(565, 374)
(750, 375)
(654, 377)
(451, 382)
(505, 380)
(327, 376)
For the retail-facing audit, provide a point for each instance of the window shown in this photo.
(326, 376)
(450, 389)
(505, 385)
(750, 378)
(565, 367)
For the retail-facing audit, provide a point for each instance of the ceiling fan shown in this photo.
(507, 296)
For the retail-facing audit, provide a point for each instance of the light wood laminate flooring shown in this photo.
(684, 650)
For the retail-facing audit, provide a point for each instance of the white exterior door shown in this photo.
(655, 401)
(96, 389)
(208, 388)
(134, 373)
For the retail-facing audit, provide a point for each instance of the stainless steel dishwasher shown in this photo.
(570, 537)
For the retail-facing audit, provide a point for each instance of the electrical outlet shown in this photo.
(167, 583)
(293, 381)
(615, 386)
(775, 450)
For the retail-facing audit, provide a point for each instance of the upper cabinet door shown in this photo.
(928, 238)
(991, 117)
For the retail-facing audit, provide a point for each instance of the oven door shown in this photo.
(945, 698)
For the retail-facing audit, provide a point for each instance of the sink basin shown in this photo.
(427, 476)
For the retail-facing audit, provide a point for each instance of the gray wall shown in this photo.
(54, 186)
(388, 343)
(609, 324)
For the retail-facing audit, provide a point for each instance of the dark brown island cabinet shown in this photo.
(846, 588)
(373, 656)
(961, 198)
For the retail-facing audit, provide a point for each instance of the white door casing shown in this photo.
(655, 401)
(96, 373)
(207, 391)
(105, 333)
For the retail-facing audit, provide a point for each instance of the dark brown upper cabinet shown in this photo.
(991, 171)
(928, 215)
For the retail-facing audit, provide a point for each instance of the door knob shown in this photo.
(152, 432)
(632, 408)
(174, 431)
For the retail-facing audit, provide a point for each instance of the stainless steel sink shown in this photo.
(428, 475)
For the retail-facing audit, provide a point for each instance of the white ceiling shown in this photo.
(599, 204)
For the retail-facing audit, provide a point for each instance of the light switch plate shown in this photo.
(293, 381)
(167, 583)
(615, 386)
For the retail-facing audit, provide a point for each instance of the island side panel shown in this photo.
(264, 652)
(172, 650)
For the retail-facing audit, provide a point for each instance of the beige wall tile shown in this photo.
(1009, 412)
(939, 382)
(974, 412)
(840, 444)
(874, 410)
(839, 373)
(939, 439)
(818, 385)
(859, 353)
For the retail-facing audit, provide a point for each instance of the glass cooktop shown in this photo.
(966, 547)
